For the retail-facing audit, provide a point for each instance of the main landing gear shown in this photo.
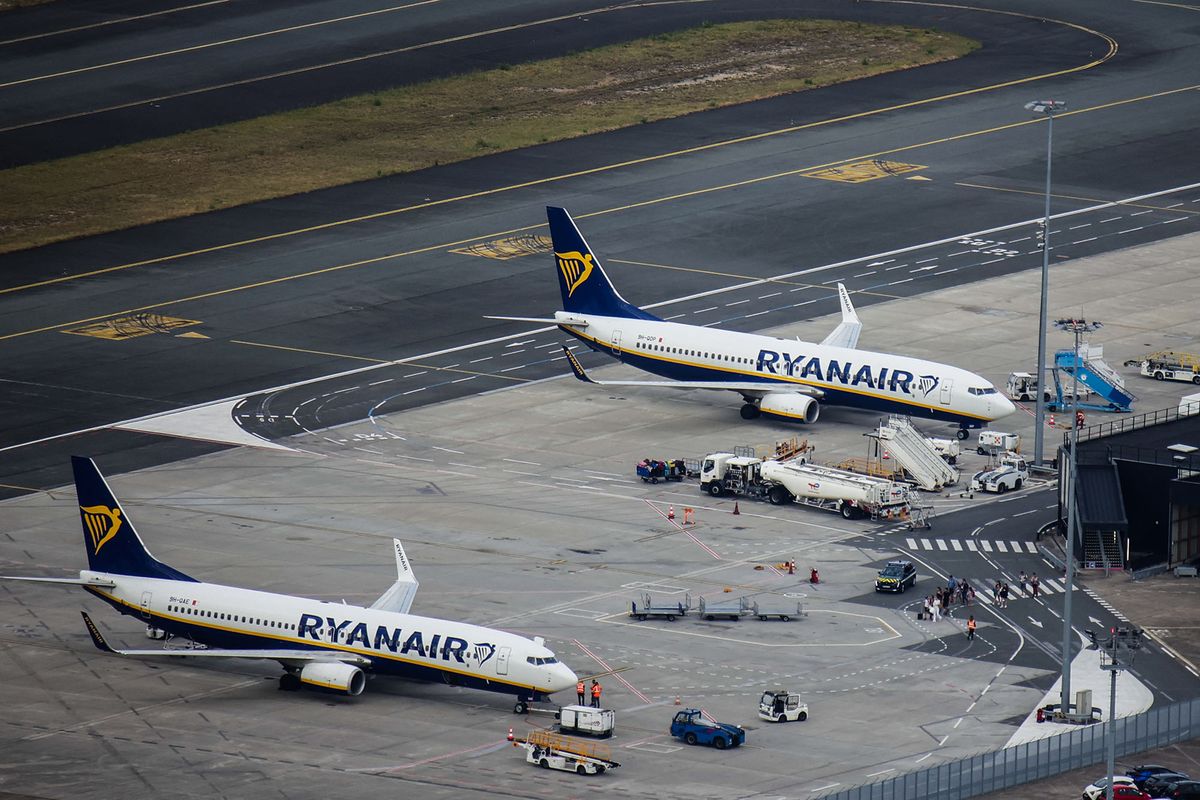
(751, 411)
(289, 682)
(963, 434)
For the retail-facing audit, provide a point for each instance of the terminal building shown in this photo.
(1138, 490)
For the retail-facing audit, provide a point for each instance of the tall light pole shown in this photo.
(1049, 108)
(1121, 646)
(1077, 327)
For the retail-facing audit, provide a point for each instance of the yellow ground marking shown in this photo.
(1081, 198)
(397, 362)
(118, 329)
(511, 247)
(917, 178)
(191, 335)
(862, 171)
(220, 43)
(314, 67)
(614, 619)
(112, 22)
(1112, 50)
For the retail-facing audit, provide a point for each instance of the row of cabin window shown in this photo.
(677, 351)
(198, 612)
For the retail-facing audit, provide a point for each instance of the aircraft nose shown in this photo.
(1003, 407)
(563, 677)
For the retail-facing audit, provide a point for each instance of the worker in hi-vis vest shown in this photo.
(596, 690)
(970, 627)
(579, 691)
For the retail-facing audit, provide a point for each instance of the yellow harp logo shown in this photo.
(575, 267)
(102, 524)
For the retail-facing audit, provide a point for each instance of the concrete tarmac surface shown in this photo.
(520, 509)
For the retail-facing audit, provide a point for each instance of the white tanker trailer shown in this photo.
(781, 482)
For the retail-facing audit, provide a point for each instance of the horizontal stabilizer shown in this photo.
(573, 322)
(281, 654)
(845, 334)
(399, 597)
(747, 388)
(97, 582)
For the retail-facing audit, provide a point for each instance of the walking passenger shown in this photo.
(1004, 596)
(1035, 584)
(1021, 581)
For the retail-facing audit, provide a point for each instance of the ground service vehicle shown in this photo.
(780, 482)
(1023, 386)
(1169, 365)
(588, 720)
(780, 705)
(896, 576)
(694, 727)
(1011, 473)
(552, 751)
(992, 442)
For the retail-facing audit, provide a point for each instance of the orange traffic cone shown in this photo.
(735, 508)
(510, 734)
(1051, 421)
(678, 700)
(670, 512)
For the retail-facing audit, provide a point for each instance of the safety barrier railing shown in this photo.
(1013, 766)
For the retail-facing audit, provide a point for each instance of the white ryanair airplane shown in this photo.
(781, 377)
(331, 646)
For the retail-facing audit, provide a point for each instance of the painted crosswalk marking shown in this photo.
(1001, 546)
(972, 545)
(957, 544)
(987, 546)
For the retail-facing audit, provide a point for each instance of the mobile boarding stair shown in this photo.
(916, 454)
(1093, 373)
(555, 751)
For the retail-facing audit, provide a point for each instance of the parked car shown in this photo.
(1127, 791)
(1181, 790)
(1159, 782)
(1143, 771)
(1096, 789)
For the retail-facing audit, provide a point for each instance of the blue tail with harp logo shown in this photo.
(112, 544)
(585, 288)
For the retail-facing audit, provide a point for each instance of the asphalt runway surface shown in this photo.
(77, 77)
(735, 202)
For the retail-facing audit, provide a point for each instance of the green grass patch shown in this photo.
(442, 121)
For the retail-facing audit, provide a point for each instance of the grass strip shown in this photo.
(449, 120)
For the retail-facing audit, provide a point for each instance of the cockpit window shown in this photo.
(538, 662)
(982, 391)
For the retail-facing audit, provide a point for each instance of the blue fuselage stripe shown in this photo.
(682, 371)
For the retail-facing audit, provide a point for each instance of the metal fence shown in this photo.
(1013, 766)
(1127, 424)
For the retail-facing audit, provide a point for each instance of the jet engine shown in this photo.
(335, 676)
(799, 407)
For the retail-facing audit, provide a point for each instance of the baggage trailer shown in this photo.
(554, 751)
(725, 609)
(778, 608)
(653, 471)
(587, 720)
(647, 609)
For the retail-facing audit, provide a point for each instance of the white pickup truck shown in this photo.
(1011, 473)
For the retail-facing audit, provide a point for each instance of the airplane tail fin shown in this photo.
(112, 544)
(585, 287)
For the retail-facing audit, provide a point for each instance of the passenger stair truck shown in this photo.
(781, 482)
(553, 751)
(914, 453)
(1093, 373)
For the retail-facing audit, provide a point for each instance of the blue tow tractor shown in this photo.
(695, 727)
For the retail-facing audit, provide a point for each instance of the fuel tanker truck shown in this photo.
(780, 482)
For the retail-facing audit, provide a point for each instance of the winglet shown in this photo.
(576, 367)
(94, 632)
(399, 596)
(845, 334)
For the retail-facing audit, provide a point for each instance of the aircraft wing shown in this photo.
(399, 596)
(97, 582)
(750, 388)
(845, 334)
(269, 655)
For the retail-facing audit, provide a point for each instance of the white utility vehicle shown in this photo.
(780, 705)
(585, 719)
(1011, 473)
